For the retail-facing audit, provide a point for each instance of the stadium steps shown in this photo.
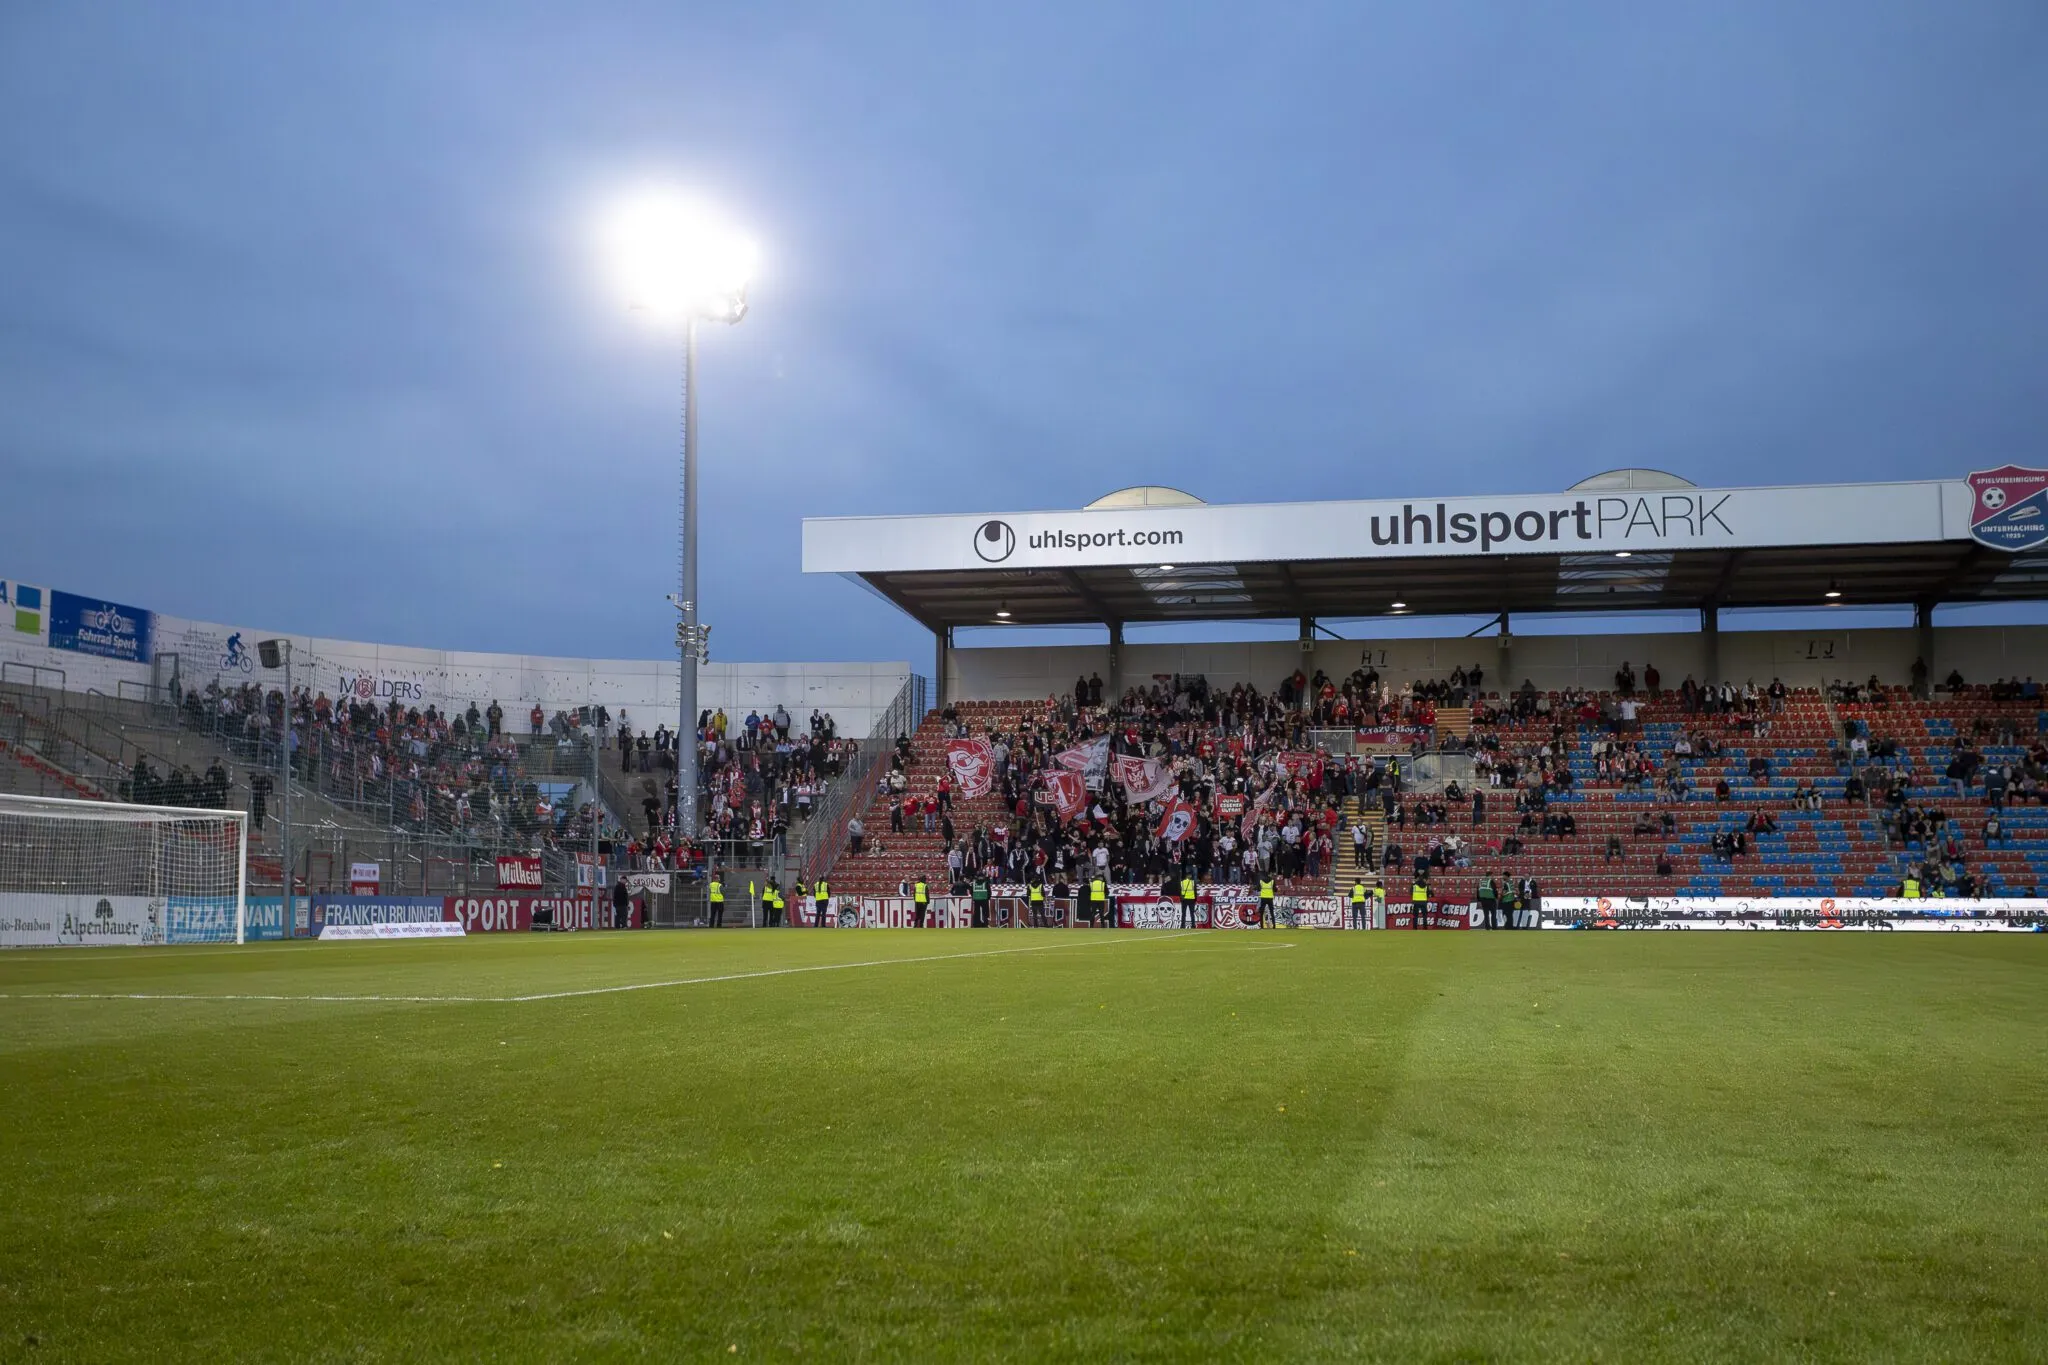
(195, 751)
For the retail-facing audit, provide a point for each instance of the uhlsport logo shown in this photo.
(994, 541)
(2009, 507)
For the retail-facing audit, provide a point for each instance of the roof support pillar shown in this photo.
(1923, 636)
(1115, 688)
(942, 678)
(1710, 632)
(1503, 666)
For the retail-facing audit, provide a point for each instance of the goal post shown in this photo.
(102, 873)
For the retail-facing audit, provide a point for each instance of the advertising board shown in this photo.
(87, 625)
(35, 919)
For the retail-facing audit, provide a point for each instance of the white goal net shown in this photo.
(94, 873)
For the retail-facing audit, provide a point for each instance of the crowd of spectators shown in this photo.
(452, 774)
(761, 778)
(1217, 745)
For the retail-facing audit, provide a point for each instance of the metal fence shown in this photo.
(823, 837)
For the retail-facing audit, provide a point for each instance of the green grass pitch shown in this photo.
(1279, 1146)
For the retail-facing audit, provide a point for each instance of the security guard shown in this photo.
(1035, 893)
(1911, 890)
(1098, 899)
(920, 903)
(980, 893)
(1379, 907)
(771, 903)
(1361, 900)
(1187, 901)
(717, 896)
(822, 894)
(1265, 902)
(1418, 904)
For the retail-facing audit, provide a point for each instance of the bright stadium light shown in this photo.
(1400, 606)
(676, 258)
(1623, 554)
(1166, 568)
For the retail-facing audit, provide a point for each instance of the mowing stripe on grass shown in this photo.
(589, 990)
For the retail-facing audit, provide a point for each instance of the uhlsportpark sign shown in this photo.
(1580, 522)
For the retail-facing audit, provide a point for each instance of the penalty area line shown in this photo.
(588, 990)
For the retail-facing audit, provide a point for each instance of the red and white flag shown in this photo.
(1305, 764)
(1090, 759)
(1066, 790)
(1143, 779)
(973, 764)
(1177, 822)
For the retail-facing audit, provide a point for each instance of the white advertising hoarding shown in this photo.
(1590, 522)
(34, 919)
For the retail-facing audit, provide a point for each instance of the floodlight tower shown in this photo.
(678, 260)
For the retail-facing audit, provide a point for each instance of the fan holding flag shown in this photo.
(1176, 821)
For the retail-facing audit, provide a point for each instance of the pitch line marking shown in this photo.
(588, 990)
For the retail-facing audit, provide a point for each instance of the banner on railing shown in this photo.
(365, 879)
(518, 872)
(1392, 736)
(1433, 915)
(900, 912)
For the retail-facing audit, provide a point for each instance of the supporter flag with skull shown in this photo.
(1177, 821)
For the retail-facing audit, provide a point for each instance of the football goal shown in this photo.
(99, 873)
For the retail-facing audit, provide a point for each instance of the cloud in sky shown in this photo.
(303, 327)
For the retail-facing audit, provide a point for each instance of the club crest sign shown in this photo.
(2009, 507)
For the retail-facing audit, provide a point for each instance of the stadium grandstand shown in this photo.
(1486, 770)
(433, 767)
(1482, 771)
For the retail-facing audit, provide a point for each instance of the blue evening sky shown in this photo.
(302, 324)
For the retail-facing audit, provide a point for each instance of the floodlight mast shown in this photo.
(681, 262)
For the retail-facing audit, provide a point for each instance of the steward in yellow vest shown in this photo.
(920, 903)
(1188, 894)
(716, 895)
(1266, 902)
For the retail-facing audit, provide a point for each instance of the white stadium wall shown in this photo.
(86, 645)
(1803, 658)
